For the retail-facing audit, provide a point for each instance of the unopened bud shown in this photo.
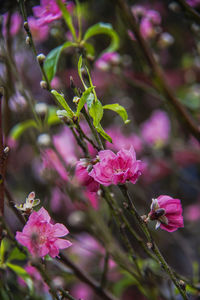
(76, 100)
(26, 26)
(72, 85)
(43, 84)
(41, 109)
(182, 284)
(41, 58)
(165, 40)
(6, 150)
(28, 40)
(174, 7)
(76, 218)
(44, 140)
(149, 245)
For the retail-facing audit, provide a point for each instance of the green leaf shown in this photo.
(3, 248)
(83, 100)
(16, 254)
(96, 112)
(52, 116)
(89, 49)
(51, 61)
(90, 100)
(67, 17)
(19, 129)
(80, 62)
(63, 103)
(22, 273)
(104, 28)
(103, 133)
(120, 110)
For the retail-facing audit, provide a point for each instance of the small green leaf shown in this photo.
(16, 254)
(23, 274)
(19, 129)
(3, 248)
(61, 100)
(96, 112)
(51, 61)
(67, 17)
(103, 133)
(120, 110)
(104, 28)
(83, 100)
(80, 62)
(89, 49)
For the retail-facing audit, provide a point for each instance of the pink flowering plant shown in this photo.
(99, 118)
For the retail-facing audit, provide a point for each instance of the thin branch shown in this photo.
(191, 12)
(85, 278)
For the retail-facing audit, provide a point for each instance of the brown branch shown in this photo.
(85, 278)
(161, 85)
(191, 12)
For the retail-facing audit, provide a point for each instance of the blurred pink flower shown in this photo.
(148, 21)
(116, 168)
(39, 32)
(193, 3)
(168, 213)
(83, 177)
(93, 198)
(82, 291)
(49, 11)
(155, 131)
(107, 60)
(192, 212)
(15, 23)
(41, 237)
(119, 140)
(39, 284)
(52, 161)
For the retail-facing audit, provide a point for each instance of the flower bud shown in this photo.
(28, 41)
(26, 26)
(41, 109)
(175, 7)
(43, 84)
(44, 140)
(76, 218)
(41, 58)
(165, 40)
(76, 100)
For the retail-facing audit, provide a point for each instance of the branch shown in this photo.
(163, 87)
(189, 11)
(85, 278)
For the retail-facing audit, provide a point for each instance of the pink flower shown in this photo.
(83, 177)
(41, 237)
(15, 23)
(107, 60)
(192, 212)
(119, 140)
(49, 11)
(116, 168)
(156, 130)
(168, 213)
(193, 3)
(39, 32)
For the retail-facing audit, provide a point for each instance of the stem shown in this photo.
(161, 84)
(105, 270)
(190, 11)
(154, 247)
(85, 278)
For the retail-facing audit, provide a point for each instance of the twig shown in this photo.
(190, 11)
(105, 270)
(151, 242)
(161, 84)
(85, 278)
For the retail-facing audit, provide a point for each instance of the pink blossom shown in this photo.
(82, 291)
(192, 212)
(39, 32)
(193, 3)
(15, 23)
(119, 140)
(41, 237)
(52, 161)
(49, 11)
(116, 168)
(107, 60)
(168, 213)
(83, 177)
(155, 131)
